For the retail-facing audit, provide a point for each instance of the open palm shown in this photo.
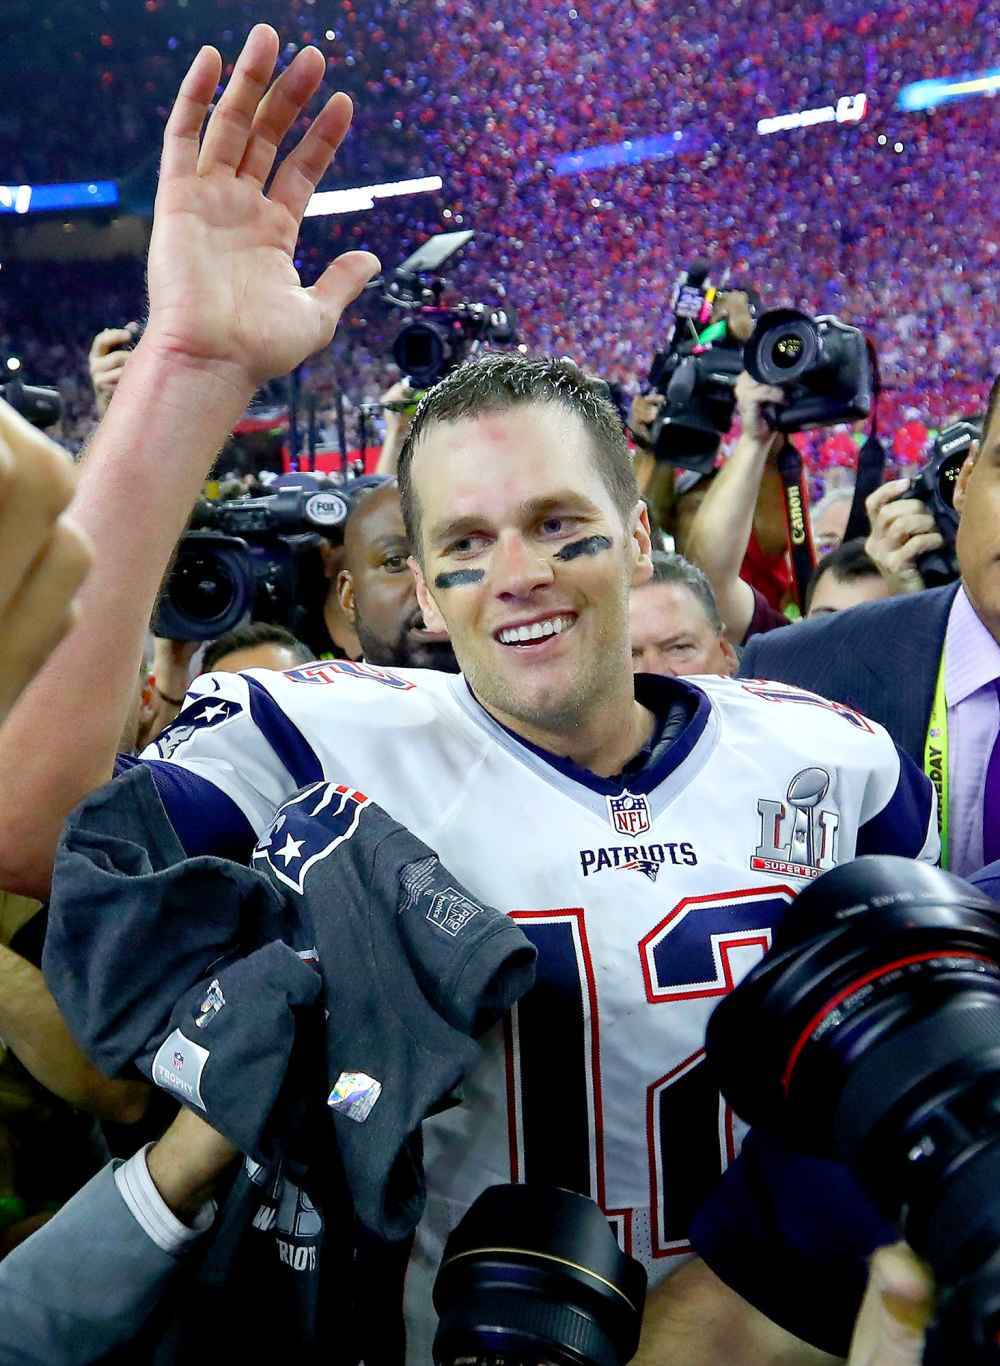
(223, 288)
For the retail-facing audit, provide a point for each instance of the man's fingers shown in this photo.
(305, 165)
(902, 560)
(112, 364)
(896, 1309)
(885, 493)
(228, 129)
(182, 133)
(278, 110)
(898, 532)
(109, 340)
(343, 280)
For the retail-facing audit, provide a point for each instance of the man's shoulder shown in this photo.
(870, 629)
(793, 717)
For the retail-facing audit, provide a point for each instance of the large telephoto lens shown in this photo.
(871, 1033)
(533, 1275)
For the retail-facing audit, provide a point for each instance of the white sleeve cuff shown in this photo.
(151, 1212)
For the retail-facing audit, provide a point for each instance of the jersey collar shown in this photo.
(681, 711)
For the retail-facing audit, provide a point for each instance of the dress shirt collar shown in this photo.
(972, 656)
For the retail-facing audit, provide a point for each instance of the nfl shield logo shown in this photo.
(629, 815)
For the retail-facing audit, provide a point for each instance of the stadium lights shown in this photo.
(364, 197)
(848, 109)
(73, 194)
(927, 94)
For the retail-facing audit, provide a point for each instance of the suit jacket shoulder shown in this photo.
(880, 658)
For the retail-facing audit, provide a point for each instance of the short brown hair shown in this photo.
(502, 380)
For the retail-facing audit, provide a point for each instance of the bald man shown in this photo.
(377, 592)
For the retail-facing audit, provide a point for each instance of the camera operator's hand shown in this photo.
(224, 294)
(751, 399)
(898, 1304)
(43, 556)
(109, 352)
(171, 675)
(641, 416)
(397, 424)
(902, 530)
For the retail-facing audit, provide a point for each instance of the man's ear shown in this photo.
(730, 658)
(641, 539)
(331, 555)
(964, 475)
(345, 596)
(433, 619)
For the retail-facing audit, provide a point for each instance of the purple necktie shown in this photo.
(991, 801)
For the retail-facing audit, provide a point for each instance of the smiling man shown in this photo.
(645, 833)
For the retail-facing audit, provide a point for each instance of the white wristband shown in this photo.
(151, 1212)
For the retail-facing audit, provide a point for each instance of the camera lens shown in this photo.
(202, 586)
(871, 1033)
(785, 352)
(422, 351)
(533, 1274)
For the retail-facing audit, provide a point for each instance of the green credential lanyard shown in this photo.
(936, 758)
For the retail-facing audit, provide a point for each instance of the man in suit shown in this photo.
(926, 665)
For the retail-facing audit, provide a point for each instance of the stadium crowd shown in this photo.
(291, 874)
(487, 112)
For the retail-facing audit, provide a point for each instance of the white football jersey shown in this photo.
(648, 899)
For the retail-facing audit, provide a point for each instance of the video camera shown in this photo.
(823, 365)
(935, 487)
(42, 407)
(696, 373)
(870, 1033)
(436, 338)
(249, 557)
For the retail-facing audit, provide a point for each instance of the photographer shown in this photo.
(924, 664)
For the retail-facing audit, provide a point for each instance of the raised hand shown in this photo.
(223, 288)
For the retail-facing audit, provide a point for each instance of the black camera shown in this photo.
(871, 1033)
(935, 487)
(41, 407)
(249, 557)
(824, 366)
(436, 339)
(696, 373)
(533, 1276)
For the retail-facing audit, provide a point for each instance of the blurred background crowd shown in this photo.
(493, 98)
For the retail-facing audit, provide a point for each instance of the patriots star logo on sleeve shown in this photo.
(201, 713)
(290, 851)
(307, 829)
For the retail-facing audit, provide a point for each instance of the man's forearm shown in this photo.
(720, 532)
(34, 1030)
(140, 477)
(693, 1317)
